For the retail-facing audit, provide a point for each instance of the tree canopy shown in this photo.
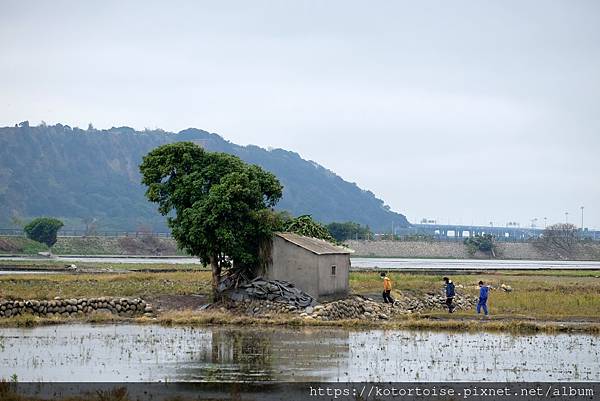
(483, 243)
(217, 206)
(559, 241)
(43, 229)
(307, 226)
(349, 230)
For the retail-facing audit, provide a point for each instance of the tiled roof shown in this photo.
(314, 245)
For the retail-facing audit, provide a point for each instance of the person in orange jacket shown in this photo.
(387, 289)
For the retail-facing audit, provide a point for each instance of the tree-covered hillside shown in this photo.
(77, 174)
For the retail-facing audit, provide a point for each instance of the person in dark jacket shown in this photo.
(450, 294)
(483, 297)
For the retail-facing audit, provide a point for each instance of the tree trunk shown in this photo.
(216, 277)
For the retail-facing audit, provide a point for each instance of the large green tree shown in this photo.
(43, 229)
(217, 206)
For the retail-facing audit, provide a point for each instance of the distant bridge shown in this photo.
(453, 231)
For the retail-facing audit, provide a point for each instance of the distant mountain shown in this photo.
(77, 174)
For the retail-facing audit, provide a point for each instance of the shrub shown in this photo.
(483, 243)
(44, 230)
(307, 226)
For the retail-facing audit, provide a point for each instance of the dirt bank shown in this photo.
(140, 245)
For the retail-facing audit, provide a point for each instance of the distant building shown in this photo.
(318, 267)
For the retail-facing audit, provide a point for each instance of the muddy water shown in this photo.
(154, 353)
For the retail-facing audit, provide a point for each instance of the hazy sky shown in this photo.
(465, 112)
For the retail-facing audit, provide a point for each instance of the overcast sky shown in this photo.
(464, 112)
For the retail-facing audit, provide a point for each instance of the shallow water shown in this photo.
(154, 353)
(357, 263)
(476, 264)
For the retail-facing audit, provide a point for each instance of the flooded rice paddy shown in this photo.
(153, 353)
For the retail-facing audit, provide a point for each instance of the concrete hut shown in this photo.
(318, 267)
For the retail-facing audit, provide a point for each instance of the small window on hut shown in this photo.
(333, 268)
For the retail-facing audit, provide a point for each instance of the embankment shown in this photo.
(72, 307)
(457, 250)
(141, 245)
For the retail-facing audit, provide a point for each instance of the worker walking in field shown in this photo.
(450, 294)
(483, 297)
(387, 289)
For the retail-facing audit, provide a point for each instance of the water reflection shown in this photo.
(270, 354)
(154, 353)
(233, 355)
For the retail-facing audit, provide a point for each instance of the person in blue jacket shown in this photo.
(483, 297)
(450, 294)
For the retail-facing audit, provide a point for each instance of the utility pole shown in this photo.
(582, 220)
(567, 217)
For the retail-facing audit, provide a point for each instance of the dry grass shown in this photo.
(415, 322)
(9, 391)
(48, 286)
(28, 320)
(406, 322)
(544, 295)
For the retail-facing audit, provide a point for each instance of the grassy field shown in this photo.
(542, 295)
(547, 295)
(403, 322)
(48, 286)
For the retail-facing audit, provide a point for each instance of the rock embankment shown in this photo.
(434, 302)
(353, 307)
(359, 307)
(255, 307)
(76, 307)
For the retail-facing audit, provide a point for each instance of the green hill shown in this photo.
(77, 174)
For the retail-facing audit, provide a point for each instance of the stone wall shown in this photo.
(76, 307)
(408, 249)
(457, 250)
(142, 245)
